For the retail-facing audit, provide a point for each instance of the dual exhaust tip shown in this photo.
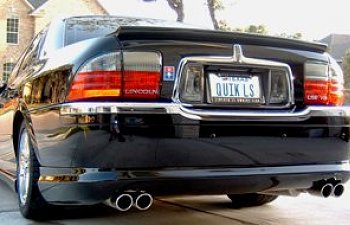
(143, 200)
(123, 202)
(327, 189)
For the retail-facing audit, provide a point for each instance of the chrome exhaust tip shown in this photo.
(123, 202)
(338, 190)
(143, 201)
(326, 190)
(322, 190)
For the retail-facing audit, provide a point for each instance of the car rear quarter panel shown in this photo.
(48, 87)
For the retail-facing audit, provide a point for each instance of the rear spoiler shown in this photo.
(186, 34)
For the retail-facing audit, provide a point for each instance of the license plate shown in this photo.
(240, 89)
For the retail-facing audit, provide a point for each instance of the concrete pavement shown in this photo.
(208, 210)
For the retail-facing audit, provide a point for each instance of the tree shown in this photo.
(225, 27)
(297, 36)
(177, 6)
(346, 68)
(257, 29)
(292, 36)
(213, 6)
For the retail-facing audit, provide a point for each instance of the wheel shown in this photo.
(31, 203)
(250, 199)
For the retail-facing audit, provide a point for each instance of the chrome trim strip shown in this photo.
(271, 116)
(94, 108)
(237, 58)
(256, 171)
(121, 107)
(115, 175)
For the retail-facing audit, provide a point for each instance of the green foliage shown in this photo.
(178, 7)
(218, 5)
(297, 36)
(292, 36)
(213, 6)
(256, 29)
(224, 26)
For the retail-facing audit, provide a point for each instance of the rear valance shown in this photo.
(186, 34)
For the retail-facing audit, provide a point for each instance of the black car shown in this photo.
(118, 110)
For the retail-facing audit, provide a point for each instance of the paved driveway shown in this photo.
(203, 210)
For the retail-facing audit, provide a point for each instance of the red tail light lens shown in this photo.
(316, 92)
(99, 77)
(103, 77)
(336, 92)
(141, 84)
(95, 84)
(323, 84)
(142, 74)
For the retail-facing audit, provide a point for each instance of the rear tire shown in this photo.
(250, 199)
(31, 203)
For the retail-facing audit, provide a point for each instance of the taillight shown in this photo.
(323, 84)
(141, 77)
(279, 87)
(192, 84)
(104, 77)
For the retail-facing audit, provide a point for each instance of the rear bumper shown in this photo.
(90, 186)
(90, 151)
(165, 135)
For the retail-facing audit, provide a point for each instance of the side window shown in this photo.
(40, 51)
(31, 53)
(15, 70)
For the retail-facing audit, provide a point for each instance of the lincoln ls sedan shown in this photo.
(117, 110)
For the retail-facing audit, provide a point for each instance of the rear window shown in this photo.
(82, 28)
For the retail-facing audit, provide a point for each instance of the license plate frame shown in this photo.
(231, 79)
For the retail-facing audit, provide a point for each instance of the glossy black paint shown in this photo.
(95, 187)
(200, 35)
(158, 141)
(151, 143)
